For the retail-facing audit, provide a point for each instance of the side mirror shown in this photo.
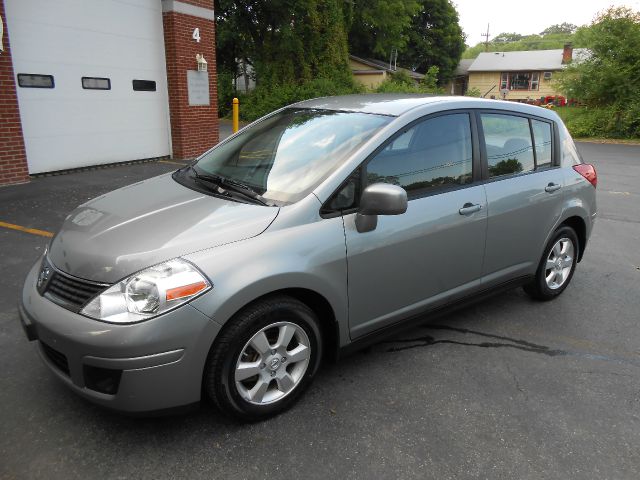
(379, 199)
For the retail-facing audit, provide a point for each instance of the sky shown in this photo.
(527, 17)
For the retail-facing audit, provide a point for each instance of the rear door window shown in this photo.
(508, 143)
(436, 152)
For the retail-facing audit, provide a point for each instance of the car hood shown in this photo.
(146, 223)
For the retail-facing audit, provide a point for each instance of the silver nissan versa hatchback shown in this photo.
(309, 232)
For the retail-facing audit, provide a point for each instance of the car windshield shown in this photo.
(284, 157)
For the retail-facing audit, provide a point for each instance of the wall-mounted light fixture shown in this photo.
(202, 63)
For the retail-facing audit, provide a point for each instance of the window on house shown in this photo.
(520, 80)
(32, 80)
(144, 85)
(96, 83)
(535, 80)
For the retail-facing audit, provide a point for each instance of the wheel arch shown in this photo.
(579, 226)
(318, 303)
(329, 328)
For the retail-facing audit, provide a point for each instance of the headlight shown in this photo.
(148, 293)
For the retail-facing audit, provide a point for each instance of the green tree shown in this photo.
(232, 42)
(435, 38)
(287, 41)
(563, 28)
(609, 75)
(378, 26)
(311, 42)
(508, 37)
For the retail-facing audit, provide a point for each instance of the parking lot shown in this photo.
(508, 388)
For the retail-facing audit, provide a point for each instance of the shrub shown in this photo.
(391, 85)
(616, 121)
(267, 98)
(401, 82)
(606, 80)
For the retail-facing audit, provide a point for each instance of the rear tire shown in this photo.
(264, 359)
(556, 267)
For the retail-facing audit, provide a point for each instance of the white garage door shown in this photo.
(111, 43)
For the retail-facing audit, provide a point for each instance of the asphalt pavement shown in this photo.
(508, 388)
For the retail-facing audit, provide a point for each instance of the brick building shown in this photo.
(104, 81)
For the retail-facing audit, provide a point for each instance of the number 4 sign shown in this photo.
(196, 35)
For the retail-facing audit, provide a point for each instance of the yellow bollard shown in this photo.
(236, 114)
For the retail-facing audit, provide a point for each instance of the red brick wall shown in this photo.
(194, 129)
(200, 3)
(13, 158)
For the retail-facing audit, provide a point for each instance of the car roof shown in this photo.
(397, 104)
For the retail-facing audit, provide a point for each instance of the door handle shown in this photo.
(552, 187)
(469, 208)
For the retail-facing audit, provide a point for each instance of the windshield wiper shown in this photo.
(232, 185)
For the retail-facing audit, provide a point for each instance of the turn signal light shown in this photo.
(587, 171)
(185, 291)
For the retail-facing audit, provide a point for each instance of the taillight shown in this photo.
(587, 171)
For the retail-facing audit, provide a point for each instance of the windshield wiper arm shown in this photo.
(245, 190)
(227, 184)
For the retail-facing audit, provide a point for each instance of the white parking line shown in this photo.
(613, 192)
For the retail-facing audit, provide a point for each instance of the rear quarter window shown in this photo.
(542, 139)
(570, 153)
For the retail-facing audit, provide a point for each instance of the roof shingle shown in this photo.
(527, 60)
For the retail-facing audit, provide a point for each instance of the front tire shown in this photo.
(556, 267)
(264, 358)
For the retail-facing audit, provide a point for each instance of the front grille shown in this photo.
(57, 358)
(71, 292)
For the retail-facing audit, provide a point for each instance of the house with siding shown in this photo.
(371, 73)
(459, 83)
(523, 76)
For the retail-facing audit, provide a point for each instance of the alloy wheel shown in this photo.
(272, 363)
(559, 263)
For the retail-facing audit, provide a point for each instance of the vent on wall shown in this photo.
(547, 75)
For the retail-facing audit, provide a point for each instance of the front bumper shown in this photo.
(153, 365)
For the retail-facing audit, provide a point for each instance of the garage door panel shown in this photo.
(89, 115)
(71, 150)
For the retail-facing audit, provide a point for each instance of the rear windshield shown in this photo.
(284, 157)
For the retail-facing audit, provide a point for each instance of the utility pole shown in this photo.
(486, 40)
